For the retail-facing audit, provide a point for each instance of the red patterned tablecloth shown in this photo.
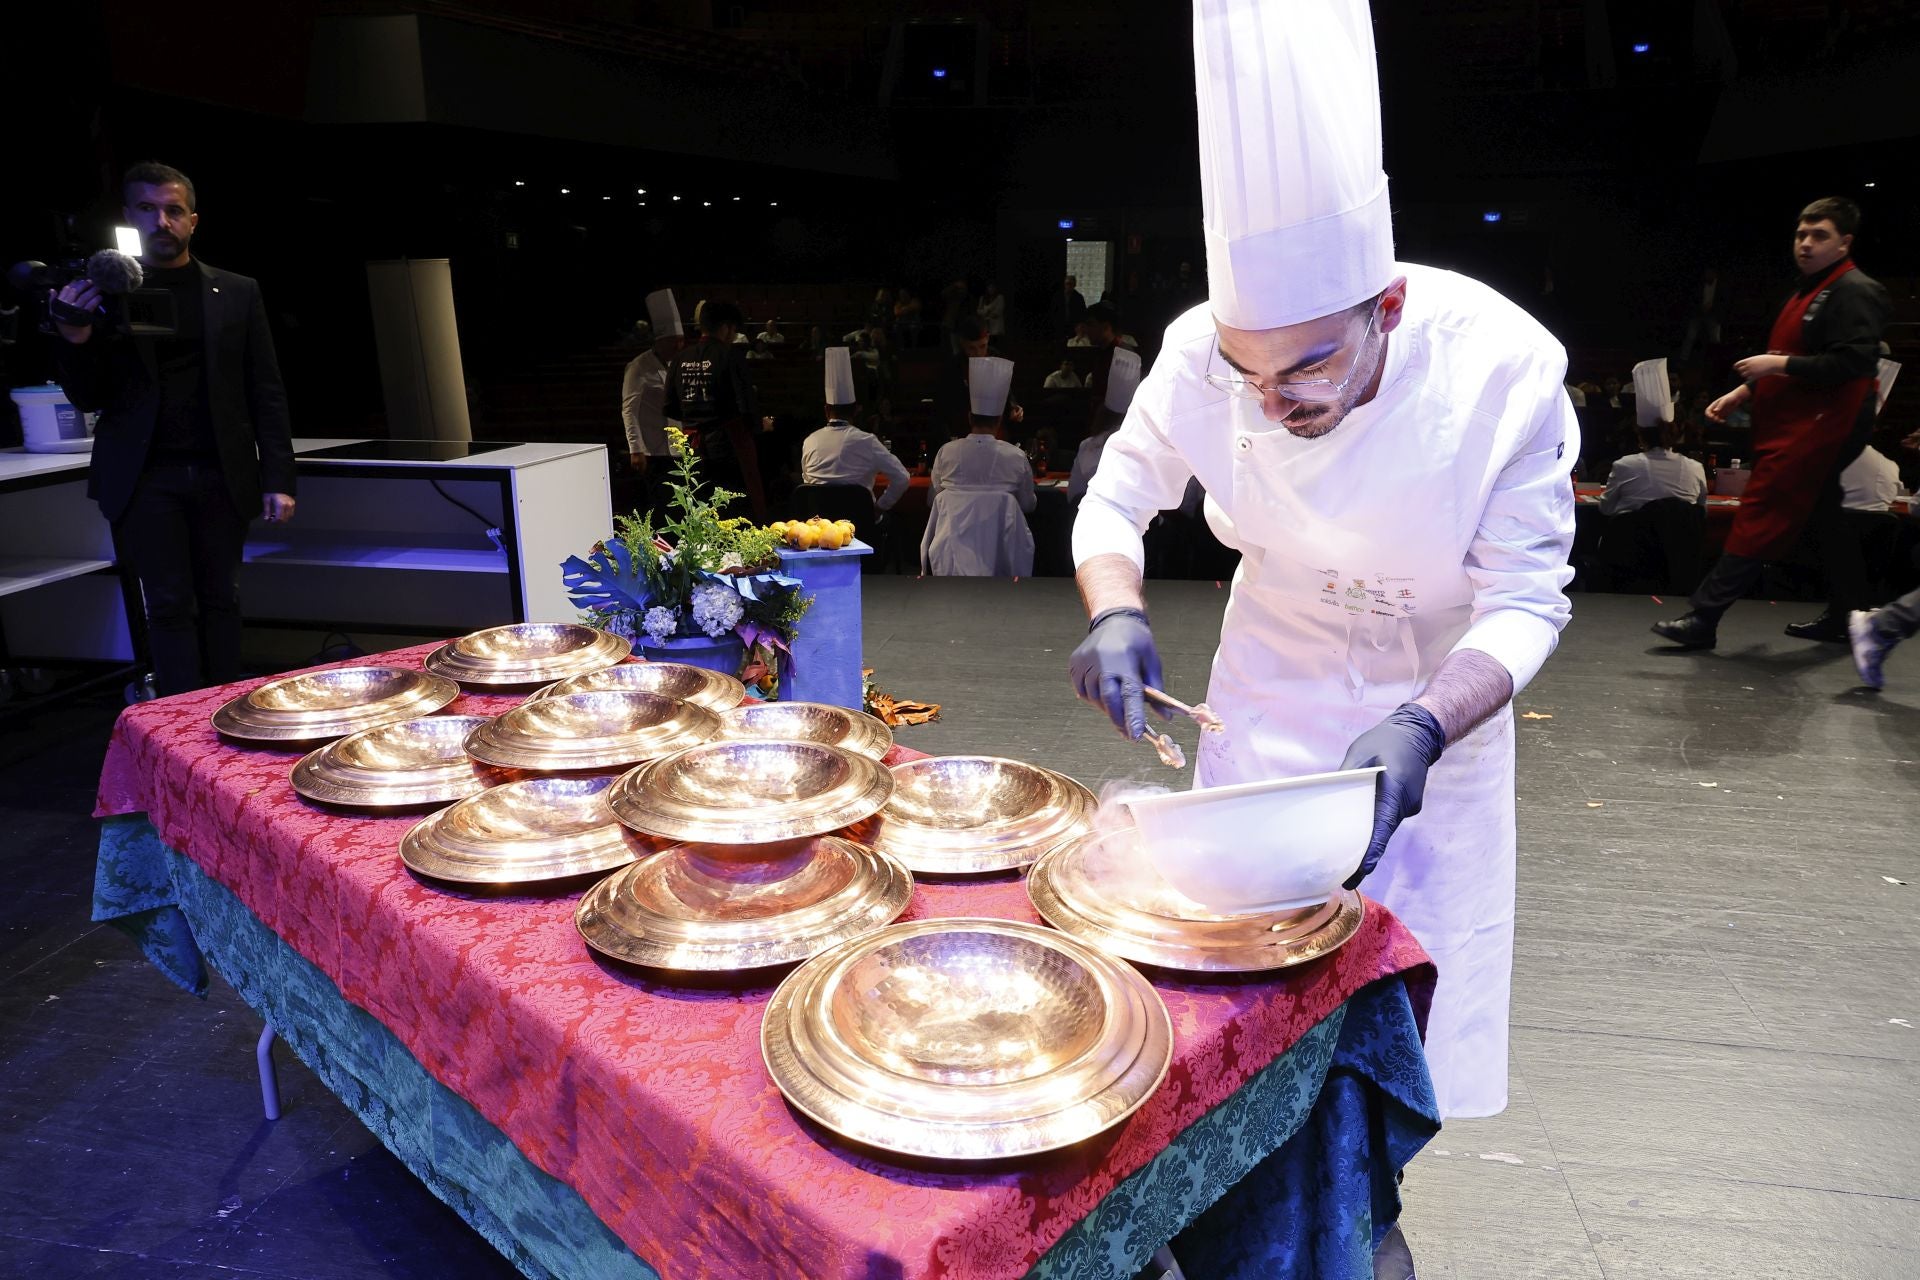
(649, 1099)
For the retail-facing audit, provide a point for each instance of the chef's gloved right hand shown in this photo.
(1113, 664)
(1406, 743)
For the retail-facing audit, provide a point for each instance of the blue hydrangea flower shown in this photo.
(660, 622)
(619, 622)
(716, 610)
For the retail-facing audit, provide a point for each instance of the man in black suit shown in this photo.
(193, 439)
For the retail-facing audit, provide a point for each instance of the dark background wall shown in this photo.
(811, 142)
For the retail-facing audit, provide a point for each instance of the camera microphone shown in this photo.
(114, 272)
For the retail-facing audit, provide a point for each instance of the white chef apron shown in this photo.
(1351, 591)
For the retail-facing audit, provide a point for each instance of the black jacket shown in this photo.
(1842, 330)
(118, 376)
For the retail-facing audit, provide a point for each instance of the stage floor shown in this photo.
(1716, 1041)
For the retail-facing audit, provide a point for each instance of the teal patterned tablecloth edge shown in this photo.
(1294, 1175)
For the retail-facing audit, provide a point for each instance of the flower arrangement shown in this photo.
(694, 573)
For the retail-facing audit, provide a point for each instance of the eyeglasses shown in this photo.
(1313, 390)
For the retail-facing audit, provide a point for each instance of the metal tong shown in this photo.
(1201, 715)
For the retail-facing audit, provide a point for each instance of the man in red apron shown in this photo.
(1812, 403)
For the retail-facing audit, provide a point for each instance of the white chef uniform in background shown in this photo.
(980, 490)
(1436, 517)
(841, 453)
(643, 390)
(1123, 379)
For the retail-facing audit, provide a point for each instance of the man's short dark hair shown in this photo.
(1843, 213)
(716, 316)
(970, 329)
(1101, 313)
(984, 419)
(154, 174)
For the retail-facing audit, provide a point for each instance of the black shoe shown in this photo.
(1689, 631)
(1393, 1260)
(1829, 626)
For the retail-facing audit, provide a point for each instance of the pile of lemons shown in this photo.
(816, 534)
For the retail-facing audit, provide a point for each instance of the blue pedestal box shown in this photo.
(827, 652)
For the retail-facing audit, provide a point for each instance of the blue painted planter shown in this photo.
(724, 654)
(826, 652)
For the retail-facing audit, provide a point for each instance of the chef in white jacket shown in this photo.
(643, 389)
(1389, 448)
(841, 453)
(1123, 379)
(980, 489)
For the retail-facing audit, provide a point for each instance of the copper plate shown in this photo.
(590, 731)
(523, 833)
(332, 703)
(725, 907)
(414, 762)
(713, 690)
(964, 814)
(966, 1039)
(809, 722)
(527, 653)
(1101, 889)
(751, 792)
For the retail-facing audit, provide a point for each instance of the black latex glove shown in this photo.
(1406, 743)
(1112, 665)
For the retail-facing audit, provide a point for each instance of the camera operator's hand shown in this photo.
(82, 295)
(276, 508)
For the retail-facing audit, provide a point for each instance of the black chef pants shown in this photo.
(182, 539)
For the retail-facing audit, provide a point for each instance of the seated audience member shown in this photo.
(1870, 483)
(1575, 394)
(1080, 338)
(841, 453)
(981, 489)
(1122, 379)
(771, 335)
(1062, 379)
(760, 352)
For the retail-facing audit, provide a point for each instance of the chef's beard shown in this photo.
(1310, 421)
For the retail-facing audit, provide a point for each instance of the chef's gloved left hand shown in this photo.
(1406, 743)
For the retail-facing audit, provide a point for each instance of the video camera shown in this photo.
(124, 305)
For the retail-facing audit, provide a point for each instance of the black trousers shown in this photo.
(182, 538)
(1732, 576)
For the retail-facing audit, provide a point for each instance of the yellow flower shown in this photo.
(677, 441)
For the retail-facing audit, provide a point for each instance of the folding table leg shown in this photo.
(269, 1083)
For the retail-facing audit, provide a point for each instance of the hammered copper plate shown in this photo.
(1100, 889)
(959, 815)
(966, 1039)
(523, 833)
(527, 653)
(590, 731)
(414, 762)
(713, 690)
(751, 792)
(729, 907)
(809, 722)
(332, 703)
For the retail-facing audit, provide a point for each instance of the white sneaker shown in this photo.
(1869, 648)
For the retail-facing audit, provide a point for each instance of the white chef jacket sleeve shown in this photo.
(898, 481)
(1141, 474)
(632, 387)
(1517, 560)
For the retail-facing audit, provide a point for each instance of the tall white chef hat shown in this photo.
(1294, 201)
(989, 379)
(1123, 378)
(1652, 393)
(1889, 370)
(663, 314)
(840, 376)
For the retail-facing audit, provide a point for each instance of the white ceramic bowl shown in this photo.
(1254, 847)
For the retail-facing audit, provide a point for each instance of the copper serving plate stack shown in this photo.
(333, 703)
(966, 1039)
(595, 730)
(753, 877)
(527, 653)
(414, 762)
(525, 832)
(713, 690)
(712, 908)
(1102, 890)
(809, 722)
(959, 815)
